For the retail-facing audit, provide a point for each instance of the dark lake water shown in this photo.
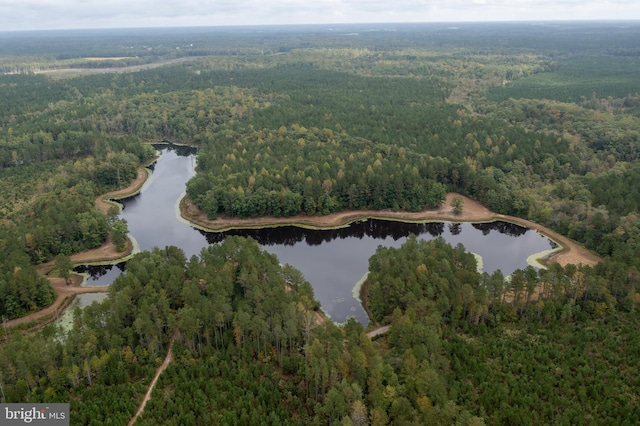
(333, 261)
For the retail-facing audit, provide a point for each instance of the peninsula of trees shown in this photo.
(536, 122)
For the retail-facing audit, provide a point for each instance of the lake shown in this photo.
(333, 261)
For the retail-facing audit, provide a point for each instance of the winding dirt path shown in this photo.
(64, 295)
(152, 385)
(106, 252)
(378, 331)
(472, 211)
(102, 202)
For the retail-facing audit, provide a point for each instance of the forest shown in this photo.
(533, 122)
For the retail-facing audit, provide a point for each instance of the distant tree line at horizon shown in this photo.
(542, 126)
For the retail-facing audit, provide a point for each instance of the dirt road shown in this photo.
(152, 385)
(106, 252)
(64, 296)
(472, 211)
(378, 331)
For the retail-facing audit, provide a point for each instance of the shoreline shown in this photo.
(105, 254)
(568, 251)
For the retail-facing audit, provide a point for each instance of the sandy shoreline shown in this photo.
(107, 252)
(472, 211)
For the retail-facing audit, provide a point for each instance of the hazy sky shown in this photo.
(55, 14)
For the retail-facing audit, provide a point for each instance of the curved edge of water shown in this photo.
(147, 182)
(85, 277)
(114, 202)
(329, 227)
(328, 316)
(195, 225)
(178, 212)
(135, 249)
(535, 259)
(355, 292)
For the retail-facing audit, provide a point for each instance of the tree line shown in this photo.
(398, 105)
(250, 346)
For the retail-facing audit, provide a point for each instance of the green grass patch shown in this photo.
(576, 78)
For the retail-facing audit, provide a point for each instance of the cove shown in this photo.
(332, 260)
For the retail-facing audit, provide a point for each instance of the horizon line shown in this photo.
(325, 24)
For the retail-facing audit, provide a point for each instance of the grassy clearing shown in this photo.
(577, 78)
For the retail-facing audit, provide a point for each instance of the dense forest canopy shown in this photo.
(536, 121)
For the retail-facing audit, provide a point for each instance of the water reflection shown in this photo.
(292, 235)
(99, 275)
(455, 228)
(332, 260)
(506, 228)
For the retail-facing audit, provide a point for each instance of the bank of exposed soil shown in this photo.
(472, 211)
(105, 253)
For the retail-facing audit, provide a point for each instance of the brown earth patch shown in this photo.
(105, 253)
(102, 202)
(147, 397)
(64, 295)
(472, 211)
